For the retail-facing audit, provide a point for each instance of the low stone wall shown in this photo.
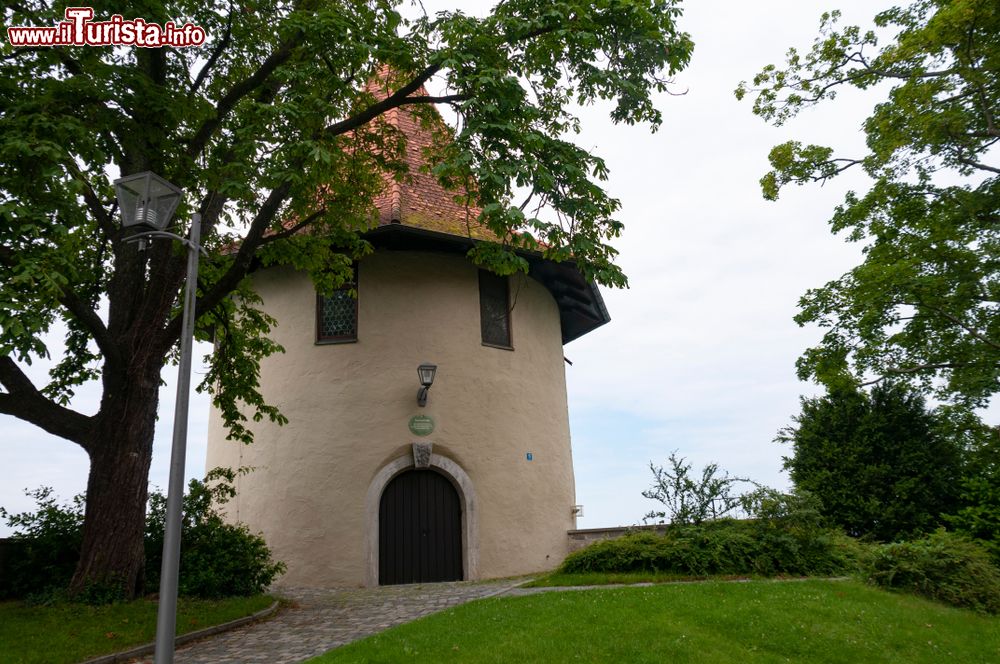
(581, 538)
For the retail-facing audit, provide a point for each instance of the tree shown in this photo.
(218, 559)
(979, 514)
(688, 500)
(880, 463)
(273, 127)
(924, 306)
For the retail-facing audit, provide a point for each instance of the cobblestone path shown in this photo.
(325, 619)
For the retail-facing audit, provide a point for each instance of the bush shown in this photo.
(979, 516)
(884, 466)
(944, 566)
(687, 498)
(765, 547)
(217, 559)
(46, 546)
(792, 534)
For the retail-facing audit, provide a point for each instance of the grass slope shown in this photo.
(757, 621)
(555, 579)
(73, 632)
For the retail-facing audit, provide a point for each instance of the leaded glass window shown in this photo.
(494, 309)
(337, 316)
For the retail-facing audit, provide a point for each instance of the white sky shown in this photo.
(699, 355)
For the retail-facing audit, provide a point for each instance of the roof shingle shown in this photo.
(419, 200)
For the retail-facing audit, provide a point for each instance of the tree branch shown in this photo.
(292, 230)
(957, 321)
(265, 216)
(398, 98)
(428, 99)
(90, 197)
(241, 264)
(90, 320)
(25, 402)
(219, 48)
(976, 164)
(924, 367)
(238, 92)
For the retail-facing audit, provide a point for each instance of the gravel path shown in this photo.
(323, 619)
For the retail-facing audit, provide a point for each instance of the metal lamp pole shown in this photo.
(148, 201)
(166, 617)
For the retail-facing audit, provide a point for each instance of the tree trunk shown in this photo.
(121, 448)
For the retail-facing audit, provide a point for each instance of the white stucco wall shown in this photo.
(348, 407)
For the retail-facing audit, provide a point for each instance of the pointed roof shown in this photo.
(419, 213)
(419, 200)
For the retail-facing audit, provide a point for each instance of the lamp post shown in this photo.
(147, 201)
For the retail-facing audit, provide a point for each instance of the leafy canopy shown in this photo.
(924, 305)
(979, 514)
(274, 127)
(881, 464)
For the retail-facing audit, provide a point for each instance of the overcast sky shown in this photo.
(699, 355)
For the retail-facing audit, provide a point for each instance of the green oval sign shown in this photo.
(421, 425)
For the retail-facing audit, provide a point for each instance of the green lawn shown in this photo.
(609, 578)
(756, 621)
(73, 632)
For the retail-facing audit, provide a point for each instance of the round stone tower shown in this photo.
(364, 486)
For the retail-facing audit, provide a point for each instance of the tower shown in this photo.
(365, 486)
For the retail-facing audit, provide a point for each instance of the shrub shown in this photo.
(690, 499)
(634, 552)
(765, 547)
(46, 546)
(792, 534)
(979, 516)
(883, 465)
(217, 559)
(944, 566)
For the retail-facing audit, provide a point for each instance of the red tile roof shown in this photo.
(419, 200)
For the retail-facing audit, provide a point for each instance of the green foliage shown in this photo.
(46, 546)
(924, 306)
(217, 559)
(271, 120)
(276, 131)
(979, 516)
(688, 500)
(881, 464)
(788, 538)
(943, 566)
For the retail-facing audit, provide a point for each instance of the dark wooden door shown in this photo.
(419, 530)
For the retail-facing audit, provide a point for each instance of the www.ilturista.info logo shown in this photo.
(79, 30)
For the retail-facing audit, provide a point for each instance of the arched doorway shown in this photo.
(420, 529)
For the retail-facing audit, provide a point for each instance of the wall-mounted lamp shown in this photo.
(426, 373)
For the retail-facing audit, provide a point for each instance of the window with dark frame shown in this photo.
(337, 315)
(494, 309)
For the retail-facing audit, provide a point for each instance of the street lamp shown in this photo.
(426, 373)
(148, 201)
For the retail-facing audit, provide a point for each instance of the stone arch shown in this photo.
(466, 494)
